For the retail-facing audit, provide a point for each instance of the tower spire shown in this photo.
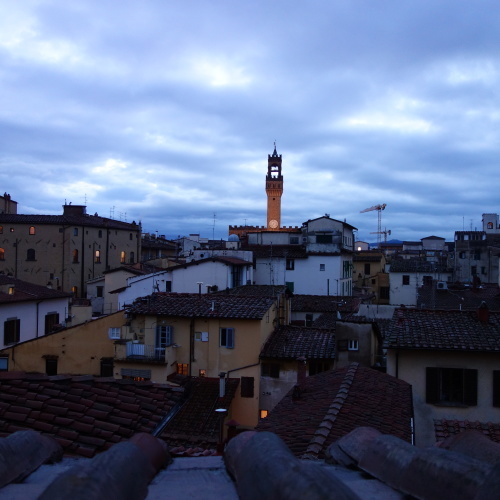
(274, 190)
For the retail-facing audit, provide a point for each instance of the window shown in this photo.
(367, 269)
(11, 331)
(473, 270)
(268, 369)
(294, 240)
(324, 238)
(384, 292)
(99, 291)
(130, 237)
(462, 255)
(11, 229)
(123, 257)
(290, 286)
(51, 320)
(164, 337)
(427, 280)
(51, 366)
(30, 254)
(97, 257)
(309, 319)
(137, 375)
(496, 387)
(477, 255)
(227, 337)
(290, 264)
(322, 267)
(406, 279)
(32, 230)
(490, 225)
(75, 256)
(107, 367)
(353, 345)
(247, 384)
(74, 289)
(263, 413)
(451, 386)
(114, 332)
(203, 373)
(201, 336)
(168, 286)
(2, 254)
(132, 258)
(483, 269)
(1, 229)
(99, 234)
(182, 368)
(4, 364)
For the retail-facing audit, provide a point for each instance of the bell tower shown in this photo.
(274, 190)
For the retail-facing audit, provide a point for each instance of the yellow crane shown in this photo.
(379, 209)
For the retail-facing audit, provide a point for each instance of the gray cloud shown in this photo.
(165, 112)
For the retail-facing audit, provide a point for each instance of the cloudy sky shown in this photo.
(164, 111)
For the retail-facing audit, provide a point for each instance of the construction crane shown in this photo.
(379, 209)
(385, 232)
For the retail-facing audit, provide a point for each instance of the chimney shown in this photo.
(483, 313)
(301, 371)
(222, 384)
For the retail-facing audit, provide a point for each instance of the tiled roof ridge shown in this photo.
(318, 440)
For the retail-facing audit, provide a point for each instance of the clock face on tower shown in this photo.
(273, 223)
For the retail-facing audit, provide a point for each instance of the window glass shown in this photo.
(32, 230)
(227, 337)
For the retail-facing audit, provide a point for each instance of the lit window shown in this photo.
(227, 337)
(123, 256)
(74, 289)
(182, 368)
(114, 332)
(353, 345)
(97, 256)
(2, 254)
(32, 230)
(203, 373)
(1, 229)
(264, 413)
(75, 256)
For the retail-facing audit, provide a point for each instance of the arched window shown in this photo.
(32, 230)
(75, 256)
(30, 254)
(490, 225)
(123, 257)
(2, 254)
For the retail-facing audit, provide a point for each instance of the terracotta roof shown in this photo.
(202, 306)
(361, 464)
(446, 330)
(216, 258)
(445, 428)
(333, 403)
(87, 415)
(457, 297)
(197, 424)
(255, 290)
(24, 291)
(68, 220)
(326, 321)
(324, 303)
(291, 342)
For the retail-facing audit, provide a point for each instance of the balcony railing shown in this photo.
(145, 352)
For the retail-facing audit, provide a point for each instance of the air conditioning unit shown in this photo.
(442, 285)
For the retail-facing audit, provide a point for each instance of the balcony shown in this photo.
(142, 353)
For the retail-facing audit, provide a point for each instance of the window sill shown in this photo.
(450, 404)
